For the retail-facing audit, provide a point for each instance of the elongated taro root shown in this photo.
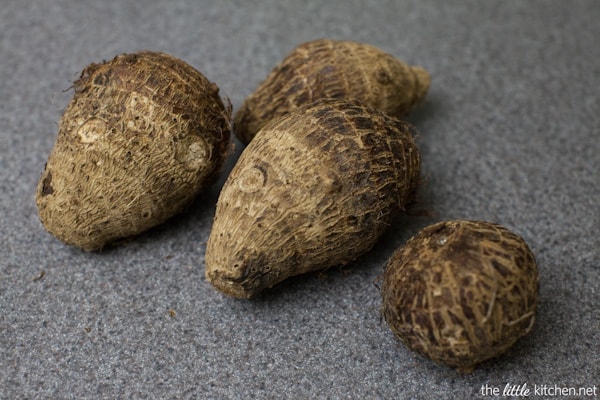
(327, 68)
(314, 189)
(142, 136)
(461, 292)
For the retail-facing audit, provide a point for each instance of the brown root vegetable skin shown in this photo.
(461, 292)
(140, 139)
(327, 68)
(314, 189)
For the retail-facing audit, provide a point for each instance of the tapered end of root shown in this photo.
(228, 285)
(423, 80)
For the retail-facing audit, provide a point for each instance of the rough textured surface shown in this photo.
(142, 137)
(461, 292)
(508, 133)
(340, 69)
(314, 189)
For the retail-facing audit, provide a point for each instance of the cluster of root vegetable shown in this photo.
(327, 163)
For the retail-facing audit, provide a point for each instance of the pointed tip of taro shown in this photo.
(227, 285)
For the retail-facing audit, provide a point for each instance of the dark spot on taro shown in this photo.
(382, 76)
(530, 259)
(303, 98)
(370, 139)
(327, 146)
(130, 58)
(335, 122)
(520, 261)
(329, 69)
(421, 320)
(154, 81)
(102, 79)
(502, 270)
(295, 88)
(283, 68)
(321, 113)
(47, 184)
(438, 319)
(468, 311)
(340, 127)
(466, 296)
(363, 123)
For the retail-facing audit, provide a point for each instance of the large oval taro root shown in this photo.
(314, 189)
(461, 292)
(142, 136)
(338, 69)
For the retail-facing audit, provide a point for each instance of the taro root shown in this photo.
(332, 69)
(461, 292)
(314, 189)
(143, 135)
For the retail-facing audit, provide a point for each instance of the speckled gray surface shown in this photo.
(510, 132)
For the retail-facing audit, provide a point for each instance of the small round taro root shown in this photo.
(314, 189)
(461, 292)
(327, 68)
(142, 136)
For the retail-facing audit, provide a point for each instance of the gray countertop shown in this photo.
(509, 132)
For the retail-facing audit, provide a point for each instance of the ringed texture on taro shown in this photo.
(326, 68)
(143, 135)
(461, 292)
(314, 189)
